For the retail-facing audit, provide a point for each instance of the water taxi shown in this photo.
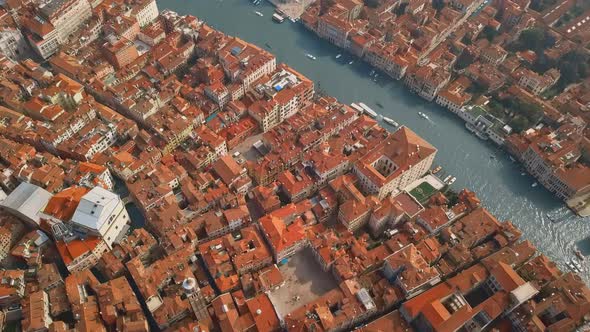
(310, 56)
(390, 121)
(424, 116)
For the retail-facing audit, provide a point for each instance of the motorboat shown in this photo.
(258, 13)
(310, 56)
(338, 56)
(424, 116)
(534, 184)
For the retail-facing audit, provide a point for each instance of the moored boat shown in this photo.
(390, 121)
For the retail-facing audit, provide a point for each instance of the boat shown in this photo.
(310, 56)
(376, 75)
(447, 179)
(338, 56)
(579, 254)
(368, 110)
(357, 107)
(523, 173)
(437, 169)
(351, 62)
(267, 45)
(258, 13)
(278, 18)
(372, 72)
(534, 184)
(379, 104)
(452, 180)
(571, 266)
(390, 121)
(424, 116)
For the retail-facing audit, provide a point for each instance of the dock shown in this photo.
(293, 9)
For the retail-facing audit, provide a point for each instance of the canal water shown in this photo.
(477, 165)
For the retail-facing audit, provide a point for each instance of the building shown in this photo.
(400, 159)
(36, 316)
(285, 241)
(56, 20)
(12, 43)
(120, 52)
(101, 213)
(26, 201)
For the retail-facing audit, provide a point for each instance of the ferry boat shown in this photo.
(338, 56)
(310, 56)
(424, 116)
(390, 121)
(437, 169)
(534, 184)
(368, 110)
(258, 13)
(278, 18)
(357, 107)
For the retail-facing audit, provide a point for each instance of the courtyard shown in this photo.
(305, 281)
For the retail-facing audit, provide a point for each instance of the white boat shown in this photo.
(368, 110)
(310, 56)
(447, 179)
(452, 180)
(278, 18)
(351, 62)
(390, 121)
(571, 266)
(338, 56)
(259, 13)
(424, 116)
(372, 72)
(357, 107)
(534, 184)
(523, 173)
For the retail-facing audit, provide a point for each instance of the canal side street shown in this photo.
(497, 181)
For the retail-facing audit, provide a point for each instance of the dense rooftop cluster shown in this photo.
(508, 71)
(259, 205)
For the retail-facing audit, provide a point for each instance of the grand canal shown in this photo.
(477, 165)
